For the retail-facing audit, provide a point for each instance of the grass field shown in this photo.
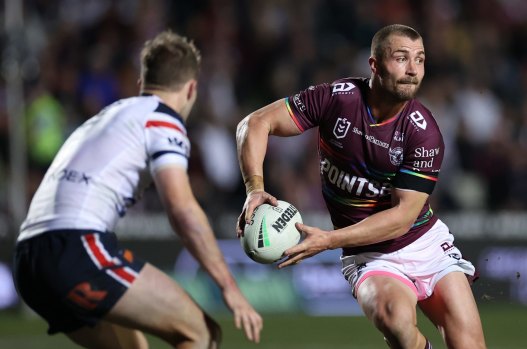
(504, 325)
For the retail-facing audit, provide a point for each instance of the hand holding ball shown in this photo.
(270, 232)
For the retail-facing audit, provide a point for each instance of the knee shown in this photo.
(393, 318)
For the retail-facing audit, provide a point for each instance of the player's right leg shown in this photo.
(156, 304)
(391, 305)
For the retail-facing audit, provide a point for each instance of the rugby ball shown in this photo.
(270, 232)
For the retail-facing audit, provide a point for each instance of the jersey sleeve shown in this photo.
(307, 107)
(422, 160)
(167, 143)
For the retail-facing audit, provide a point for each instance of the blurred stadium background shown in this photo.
(62, 60)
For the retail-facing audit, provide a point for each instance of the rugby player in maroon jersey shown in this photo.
(380, 155)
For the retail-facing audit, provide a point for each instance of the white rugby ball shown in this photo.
(270, 232)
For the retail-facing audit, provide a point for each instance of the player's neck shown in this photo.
(172, 99)
(380, 112)
(381, 108)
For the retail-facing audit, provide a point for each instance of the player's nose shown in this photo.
(411, 68)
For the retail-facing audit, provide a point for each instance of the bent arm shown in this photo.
(253, 132)
(384, 225)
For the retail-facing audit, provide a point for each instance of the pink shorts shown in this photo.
(419, 265)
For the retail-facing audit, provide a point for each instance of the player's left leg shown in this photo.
(453, 310)
(106, 335)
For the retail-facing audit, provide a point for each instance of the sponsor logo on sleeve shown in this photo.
(179, 143)
(341, 128)
(298, 103)
(418, 119)
(342, 88)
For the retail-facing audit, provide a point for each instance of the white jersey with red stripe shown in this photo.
(105, 165)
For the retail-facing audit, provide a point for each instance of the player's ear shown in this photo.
(373, 64)
(192, 89)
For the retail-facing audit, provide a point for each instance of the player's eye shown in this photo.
(400, 59)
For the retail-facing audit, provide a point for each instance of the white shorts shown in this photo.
(419, 265)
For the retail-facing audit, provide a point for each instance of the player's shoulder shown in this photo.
(349, 86)
(420, 118)
(150, 107)
(342, 86)
(131, 107)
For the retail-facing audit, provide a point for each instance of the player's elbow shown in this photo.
(242, 124)
(254, 123)
(403, 223)
(241, 129)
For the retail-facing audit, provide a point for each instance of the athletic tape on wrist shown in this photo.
(253, 183)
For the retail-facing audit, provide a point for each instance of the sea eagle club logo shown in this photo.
(341, 128)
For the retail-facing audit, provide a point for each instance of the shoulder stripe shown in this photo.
(163, 152)
(160, 123)
(292, 114)
(165, 109)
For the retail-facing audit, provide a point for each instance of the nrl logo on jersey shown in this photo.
(342, 88)
(341, 128)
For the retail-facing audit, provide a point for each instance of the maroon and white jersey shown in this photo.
(104, 166)
(361, 161)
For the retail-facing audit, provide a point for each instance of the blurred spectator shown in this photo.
(45, 125)
(262, 50)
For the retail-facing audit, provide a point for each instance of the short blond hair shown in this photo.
(168, 61)
(378, 43)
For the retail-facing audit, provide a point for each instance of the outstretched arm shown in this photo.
(252, 136)
(190, 222)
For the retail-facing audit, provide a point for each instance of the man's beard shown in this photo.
(395, 91)
(405, 94)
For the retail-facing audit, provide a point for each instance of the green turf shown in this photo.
(504, 325)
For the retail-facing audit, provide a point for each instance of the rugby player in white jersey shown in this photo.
(68, 266)
(380, 155)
